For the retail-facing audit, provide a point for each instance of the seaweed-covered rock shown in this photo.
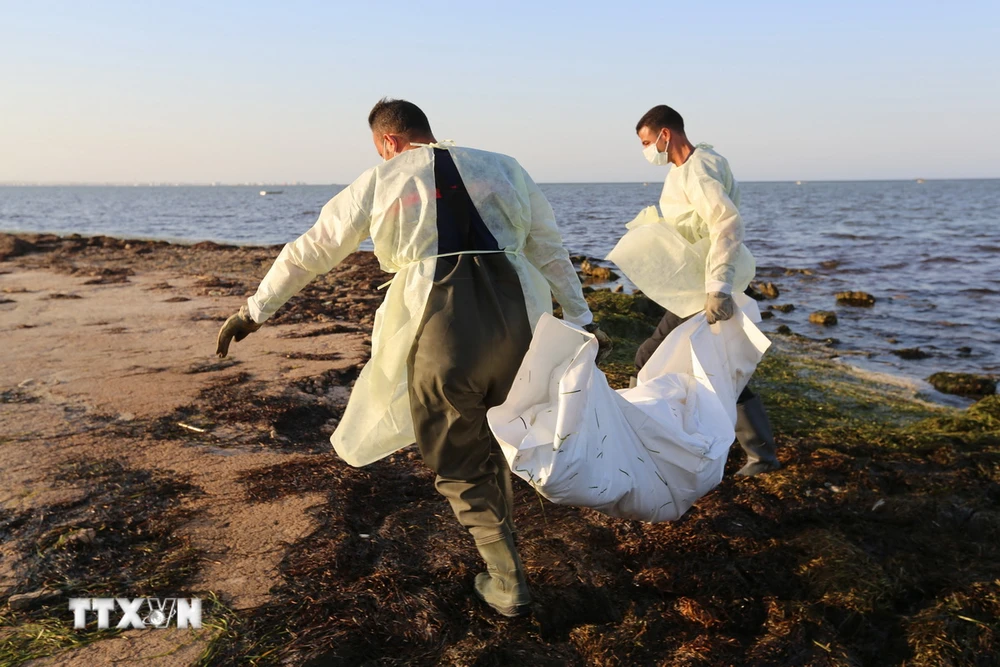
(825, 317)
(988, 408)
(629, 320)
(12, 246)
(963, 384)
(766, 290)
(210, 246)
(785, 308)
(784, 329)
(859, 299)
(109, 242)
(911, 353)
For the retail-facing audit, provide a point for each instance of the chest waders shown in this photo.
(472, 337)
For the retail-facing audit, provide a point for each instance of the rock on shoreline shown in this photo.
(599, 273)
(963, 384)
(824, 317)
(13, 246)
(858, 299)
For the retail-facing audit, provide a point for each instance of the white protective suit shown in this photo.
(696, 247)
(645, 453)
(395, 203)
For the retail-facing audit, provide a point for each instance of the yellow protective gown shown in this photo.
(395, 203)
(696, 246)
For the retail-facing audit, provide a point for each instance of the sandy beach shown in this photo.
(134, 463)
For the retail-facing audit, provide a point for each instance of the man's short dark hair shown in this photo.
(390, 116)
(660, 117)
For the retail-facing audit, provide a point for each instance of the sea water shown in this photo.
(928, 251)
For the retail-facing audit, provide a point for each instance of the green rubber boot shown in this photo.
(753, 432)
(503, 585)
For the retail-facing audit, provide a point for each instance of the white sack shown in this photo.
(644, 453)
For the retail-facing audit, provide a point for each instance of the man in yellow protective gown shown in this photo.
(477, 258)
(700, 199)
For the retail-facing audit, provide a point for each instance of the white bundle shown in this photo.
(644, 453)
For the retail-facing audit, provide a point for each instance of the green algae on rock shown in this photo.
(963, 384)
(628, 319)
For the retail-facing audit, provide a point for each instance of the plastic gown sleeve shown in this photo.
(725, 229)
(545, 250)
(343, 224)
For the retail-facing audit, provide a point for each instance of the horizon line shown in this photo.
(193, 184)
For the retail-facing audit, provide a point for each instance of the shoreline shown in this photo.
(853, 357)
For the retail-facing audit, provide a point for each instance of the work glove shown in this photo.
(604, 344)
(719, 307)
(239, 326)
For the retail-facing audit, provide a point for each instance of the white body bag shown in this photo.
(644, 453)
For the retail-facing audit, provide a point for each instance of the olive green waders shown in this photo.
(472, 338)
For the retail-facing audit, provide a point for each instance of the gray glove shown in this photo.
(239, 326)
(604, 344)
(719, 307)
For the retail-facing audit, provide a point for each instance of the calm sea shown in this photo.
(929, 252)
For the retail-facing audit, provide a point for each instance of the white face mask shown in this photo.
(653, 154)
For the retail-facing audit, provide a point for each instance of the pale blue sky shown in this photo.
(275, 92)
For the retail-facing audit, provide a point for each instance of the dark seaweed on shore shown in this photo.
(117, 539)
(237, 410)
(758, 573)
(877, 544)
